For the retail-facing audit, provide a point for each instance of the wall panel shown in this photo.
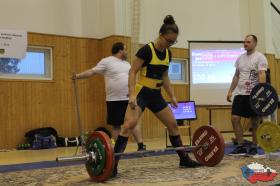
(32, 104)
(28, 104)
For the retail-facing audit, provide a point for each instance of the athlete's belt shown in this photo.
(150, 83)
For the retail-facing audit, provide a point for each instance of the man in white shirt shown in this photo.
(250, 70)
(115, 69)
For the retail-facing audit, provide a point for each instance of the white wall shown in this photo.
(210, 20)
(91, 21)
(98, 18)
(257, 22)
(44, 16)
(268, 28)
(107, 17)
(82, 18)
(123, 18)
(197, 19)
(276, 3)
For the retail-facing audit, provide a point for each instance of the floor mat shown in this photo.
(157, 170)
(49, 164)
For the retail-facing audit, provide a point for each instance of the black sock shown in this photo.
(177, 142)
(140, 145)
(120, 146)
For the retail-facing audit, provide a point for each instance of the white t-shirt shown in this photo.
(115, 72)
(248, 66)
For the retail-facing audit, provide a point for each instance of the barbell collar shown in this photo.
(82, 157)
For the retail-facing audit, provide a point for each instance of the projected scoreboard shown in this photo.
(214, 66)
(212, 69)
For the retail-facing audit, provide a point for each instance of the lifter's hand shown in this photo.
(174, 102)
(74, 77)
(132, 102)
(229, 95)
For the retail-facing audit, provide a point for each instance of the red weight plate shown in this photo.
(109, 153)
(214, 152)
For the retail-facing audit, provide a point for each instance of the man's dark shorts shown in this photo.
(241, 106)
(116, 112)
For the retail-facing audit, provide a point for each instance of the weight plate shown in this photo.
(213, 153)
(95, 145)
(109, 157)
(268, 136)
(263, 99)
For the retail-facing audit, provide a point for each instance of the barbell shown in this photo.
(207, 146)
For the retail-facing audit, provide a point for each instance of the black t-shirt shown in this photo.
(145, 53)
(151, 70)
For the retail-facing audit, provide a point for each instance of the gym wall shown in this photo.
(28, 104)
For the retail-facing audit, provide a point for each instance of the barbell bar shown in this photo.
(92, 155)
(207, 146)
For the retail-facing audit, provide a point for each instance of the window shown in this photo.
(36, 65)
(178, 71)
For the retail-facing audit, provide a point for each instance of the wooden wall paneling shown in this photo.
(16, 111)
(180, 53)
(221, 119)
(77, 64)
(202, 118)
(277, 77)
(96, 89)
(272, 64)
(4, 99)
(181, 92)
(91, 91)
(29, 104)
(151, 126)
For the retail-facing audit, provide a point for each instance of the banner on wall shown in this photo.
(13, 43)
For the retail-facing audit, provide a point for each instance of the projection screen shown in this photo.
(211, 70)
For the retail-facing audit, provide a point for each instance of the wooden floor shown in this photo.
(26, 156)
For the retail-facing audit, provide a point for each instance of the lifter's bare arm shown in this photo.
(136, 66)
(83, 75)
(233, 85)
